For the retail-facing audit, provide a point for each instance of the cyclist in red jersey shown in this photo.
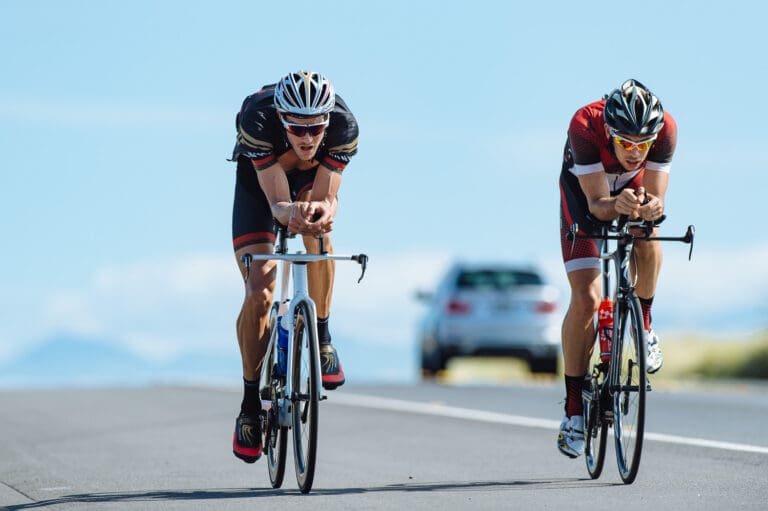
(294, 139)
(616, 162)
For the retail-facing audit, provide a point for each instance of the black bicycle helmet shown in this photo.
(632, 109)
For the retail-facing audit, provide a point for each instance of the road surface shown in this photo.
(381, 447)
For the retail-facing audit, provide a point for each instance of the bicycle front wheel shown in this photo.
(305, 399)
(629, 388)
(275, 436)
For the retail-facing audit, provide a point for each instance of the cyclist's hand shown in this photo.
(629, 201)
(311, 218)
(322, 217)
(652, 209)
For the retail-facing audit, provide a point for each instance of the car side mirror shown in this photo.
(424, 296)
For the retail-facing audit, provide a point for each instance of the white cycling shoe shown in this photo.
(654, 359)
(570, 440)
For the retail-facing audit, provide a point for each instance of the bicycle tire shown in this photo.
(275, 436)
(305, 399)
(629, 386)
(595, 428)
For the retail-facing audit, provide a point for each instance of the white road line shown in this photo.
(441, 410)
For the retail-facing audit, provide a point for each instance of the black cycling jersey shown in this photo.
(261, 140)
(261, 136)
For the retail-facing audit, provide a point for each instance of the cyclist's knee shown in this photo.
(258, 292)
(258, 300)
(585, 300)
(648, 250)
(312, 244)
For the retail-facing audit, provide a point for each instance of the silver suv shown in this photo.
(491, 310)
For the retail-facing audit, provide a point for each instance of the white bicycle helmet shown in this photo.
(304, 94)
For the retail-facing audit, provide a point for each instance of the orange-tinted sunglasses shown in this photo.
(628, 145)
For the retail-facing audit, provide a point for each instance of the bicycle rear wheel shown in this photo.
(305, 400)
(275, 436)
(629, 388)
(595, 428)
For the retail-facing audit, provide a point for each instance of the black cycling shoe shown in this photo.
(246, 443)
(333, 374)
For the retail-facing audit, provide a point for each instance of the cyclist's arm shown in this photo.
(326, 188)
(601, 205)
(655, 184)
(316, 215)
(274, 183)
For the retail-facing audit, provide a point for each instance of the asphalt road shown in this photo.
(381, 447)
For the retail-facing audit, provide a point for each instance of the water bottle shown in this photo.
(605, 328)
(282, 347)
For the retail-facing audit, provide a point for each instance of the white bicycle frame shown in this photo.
(294, 267)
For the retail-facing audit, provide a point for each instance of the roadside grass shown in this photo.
(687, 358)
(707, 358)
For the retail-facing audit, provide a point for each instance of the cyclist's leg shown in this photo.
(320, 278)
(252, 322)
(578, 329)
(582, 264)
(252, 231)
(578, 337)
(320, 275)
(648, 256)
(648, 259)
(646, 263)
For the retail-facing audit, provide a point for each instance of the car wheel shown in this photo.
(543, 364)
(432, 362)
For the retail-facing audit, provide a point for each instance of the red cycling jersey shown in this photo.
(589, 149)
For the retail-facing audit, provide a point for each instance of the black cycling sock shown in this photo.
(323, 335)
(573, 403)
(251, 404)
(645, 304)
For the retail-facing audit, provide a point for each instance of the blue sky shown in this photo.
(116, 120)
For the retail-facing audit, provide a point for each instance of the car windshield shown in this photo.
(496, 279)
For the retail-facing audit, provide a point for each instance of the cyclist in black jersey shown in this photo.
(294, 139)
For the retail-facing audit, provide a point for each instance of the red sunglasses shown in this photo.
(301, 130)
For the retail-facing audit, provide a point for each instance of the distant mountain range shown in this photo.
(66, 361)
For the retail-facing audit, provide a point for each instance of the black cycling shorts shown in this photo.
(252, 220)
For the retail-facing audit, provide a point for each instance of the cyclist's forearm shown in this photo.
(274, 184)
(281, 210)
(604, 208)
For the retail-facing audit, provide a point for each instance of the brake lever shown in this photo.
(572, 236)
(688, 238)
(363, 260)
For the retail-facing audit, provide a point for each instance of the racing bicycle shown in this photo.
(290, 383)
(614, 392)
